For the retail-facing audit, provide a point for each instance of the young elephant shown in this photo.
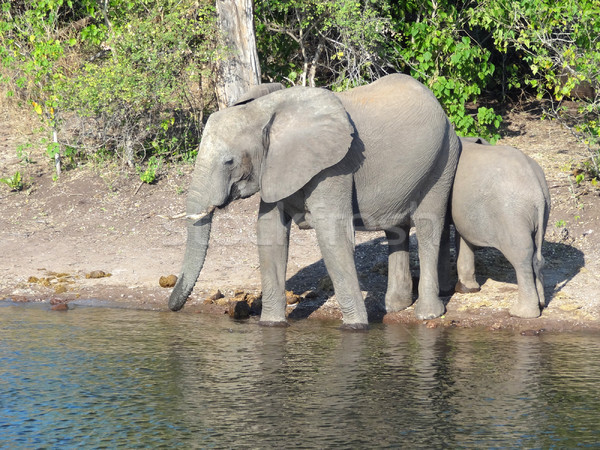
(500, 199)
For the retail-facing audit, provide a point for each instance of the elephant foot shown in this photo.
(525, 311)
(273, 323)
(394, 303)
(464, 289)
(354, 327)
(425, 310)
(542, 301)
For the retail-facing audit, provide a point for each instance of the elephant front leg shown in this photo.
(273, 232)
(429, 232)
(465, 267)
(399, 288)
(336, 241)
(332, 221)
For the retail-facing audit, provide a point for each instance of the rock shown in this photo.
(60, 307)
(239, 309)
(213, 297)
(222, 301)
(168, 281)
(531, 332)
(255, 303)
(252, 299)
(97, 274)
(291, 298)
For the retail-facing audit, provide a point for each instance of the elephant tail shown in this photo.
(538, 259)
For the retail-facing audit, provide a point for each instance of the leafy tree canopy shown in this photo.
(130, 78)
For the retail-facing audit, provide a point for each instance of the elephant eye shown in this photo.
(228, 160)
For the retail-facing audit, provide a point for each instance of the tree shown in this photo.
(238, 66)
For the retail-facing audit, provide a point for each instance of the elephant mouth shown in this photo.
(236, 194)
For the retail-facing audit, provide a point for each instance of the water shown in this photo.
(99, 377)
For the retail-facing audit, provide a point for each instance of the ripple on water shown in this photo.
(119, 378)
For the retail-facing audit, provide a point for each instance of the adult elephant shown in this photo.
(377, 157)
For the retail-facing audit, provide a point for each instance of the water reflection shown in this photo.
(102, 377)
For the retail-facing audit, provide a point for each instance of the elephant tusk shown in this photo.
(195, 217)
(201, 215)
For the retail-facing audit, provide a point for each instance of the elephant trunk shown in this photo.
(198, 234)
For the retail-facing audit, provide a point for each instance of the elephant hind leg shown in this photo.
(465, 267)
(538, 265)
(399, 289)
(528, 302)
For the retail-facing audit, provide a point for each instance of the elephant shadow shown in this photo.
(562, 263)
(371, 265)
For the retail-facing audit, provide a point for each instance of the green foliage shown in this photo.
(15, 182)
(435, 49)
(335, 43)
(134, 79)
(343, 44)
(22, 153)
(149, 175)
(558, 49)
(52, 149)
(115, 71)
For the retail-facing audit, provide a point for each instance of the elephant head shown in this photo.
(273, 144)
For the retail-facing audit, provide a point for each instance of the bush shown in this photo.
(343, 44)
(310, 42)
(134, 79)
(128, 79)
(558, 57)
(435, 47)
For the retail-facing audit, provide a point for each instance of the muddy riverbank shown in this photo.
(56, 233)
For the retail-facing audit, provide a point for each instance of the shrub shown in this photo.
(558, 48)
(127, 79)
(15, 183)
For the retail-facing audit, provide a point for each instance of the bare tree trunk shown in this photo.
(239, 67)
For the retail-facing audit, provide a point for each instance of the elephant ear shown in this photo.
(257, 91)
(309, 131)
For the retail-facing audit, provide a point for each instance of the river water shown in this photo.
(100, 377)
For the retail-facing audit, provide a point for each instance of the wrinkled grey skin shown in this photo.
(378, 157)
(500, 199)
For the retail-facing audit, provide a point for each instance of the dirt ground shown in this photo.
(56, 237)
